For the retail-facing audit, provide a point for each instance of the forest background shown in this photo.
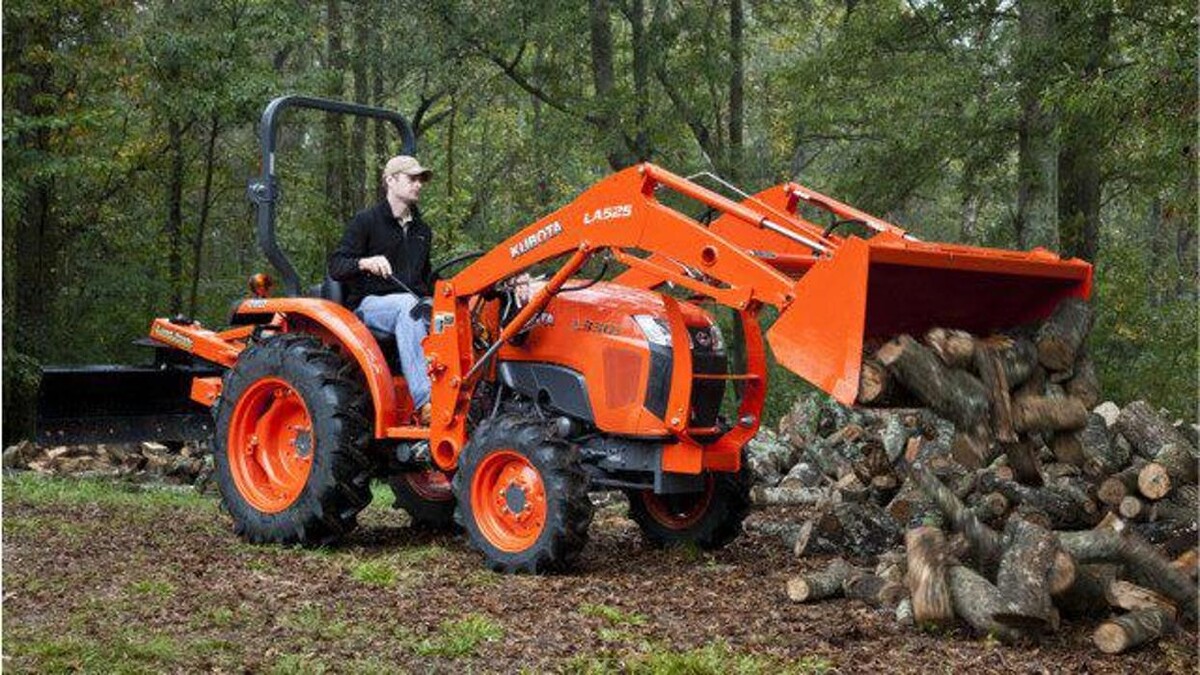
(130, 134)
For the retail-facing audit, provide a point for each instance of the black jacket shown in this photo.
(374, 231)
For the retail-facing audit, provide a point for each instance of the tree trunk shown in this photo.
(357, 171)
(174, 225)
(737, 103)
(334, 141)
(1037, 148)
(205, 205)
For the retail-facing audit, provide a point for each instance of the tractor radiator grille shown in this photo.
(706, 394)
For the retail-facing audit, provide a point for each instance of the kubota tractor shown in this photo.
(592, 384)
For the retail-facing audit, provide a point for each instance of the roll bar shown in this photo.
(264, 190)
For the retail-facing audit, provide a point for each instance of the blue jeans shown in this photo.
(391, 313)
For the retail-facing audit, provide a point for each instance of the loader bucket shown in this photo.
(888, 285)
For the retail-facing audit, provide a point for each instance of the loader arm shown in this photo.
(832, 291)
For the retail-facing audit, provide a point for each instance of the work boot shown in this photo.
(425, 414)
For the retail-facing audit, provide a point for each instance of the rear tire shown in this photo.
(710, 519)
(427, 497)
(522, 497)
(290, 440)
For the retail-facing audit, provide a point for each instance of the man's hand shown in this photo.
(377, 265)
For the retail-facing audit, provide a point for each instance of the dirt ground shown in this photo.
(101, 577)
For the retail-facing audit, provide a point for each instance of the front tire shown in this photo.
(710, 519)
(522, 497)
(289, 447)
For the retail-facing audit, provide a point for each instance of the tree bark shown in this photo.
(873, 382)
(1084, 385)
(1117, 486)
(174, 225)
(1173, 467)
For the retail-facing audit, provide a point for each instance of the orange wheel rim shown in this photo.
(431, 485)
(508, 499)
(271, 445)
(679, 512)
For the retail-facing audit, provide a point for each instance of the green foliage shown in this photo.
(113, 112)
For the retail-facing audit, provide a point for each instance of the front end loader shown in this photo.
(593, 383)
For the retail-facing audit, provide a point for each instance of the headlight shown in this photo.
(656, 329)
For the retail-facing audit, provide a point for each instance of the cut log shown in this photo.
(976, 601)
(1147, 432)
(1023, 459)
(991, 373)
(1117, 486)
(1174, 466)
(1146, 565)
(1067, 448)
(761, 495)
(1132, 508)
(819, 585)
(1062, 573)
(972, 448)
(1166, 509)
(1018, 361)
(991, 507)
(858, 529)
(1130, 597)
(1063, 506)
(1102, 457)
(956, 348)
(874, 382)
(1062, 334)
(926, 577)
(909, 505)
(1084, 386)
(789, 533)
(1088, 596)
(1023, 577)
(873, 589)
(1188, 563)
(1132, 630)
(1046, 413)
(1170, 537)
(954, 394)
(985, 542)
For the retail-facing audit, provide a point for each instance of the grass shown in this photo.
(612, 615)
(127, 653)
(153, 588)
(312, 621)
(44, 490)
(456, 639)
(375, 573)
(715, 658)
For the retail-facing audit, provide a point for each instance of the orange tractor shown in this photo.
(592, 384)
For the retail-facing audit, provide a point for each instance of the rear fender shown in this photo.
(335, 324)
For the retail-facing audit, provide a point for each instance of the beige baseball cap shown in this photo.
(408, 165)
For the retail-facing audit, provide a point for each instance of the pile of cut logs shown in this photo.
(1001, 501)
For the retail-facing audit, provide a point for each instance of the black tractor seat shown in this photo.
(331, 289)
